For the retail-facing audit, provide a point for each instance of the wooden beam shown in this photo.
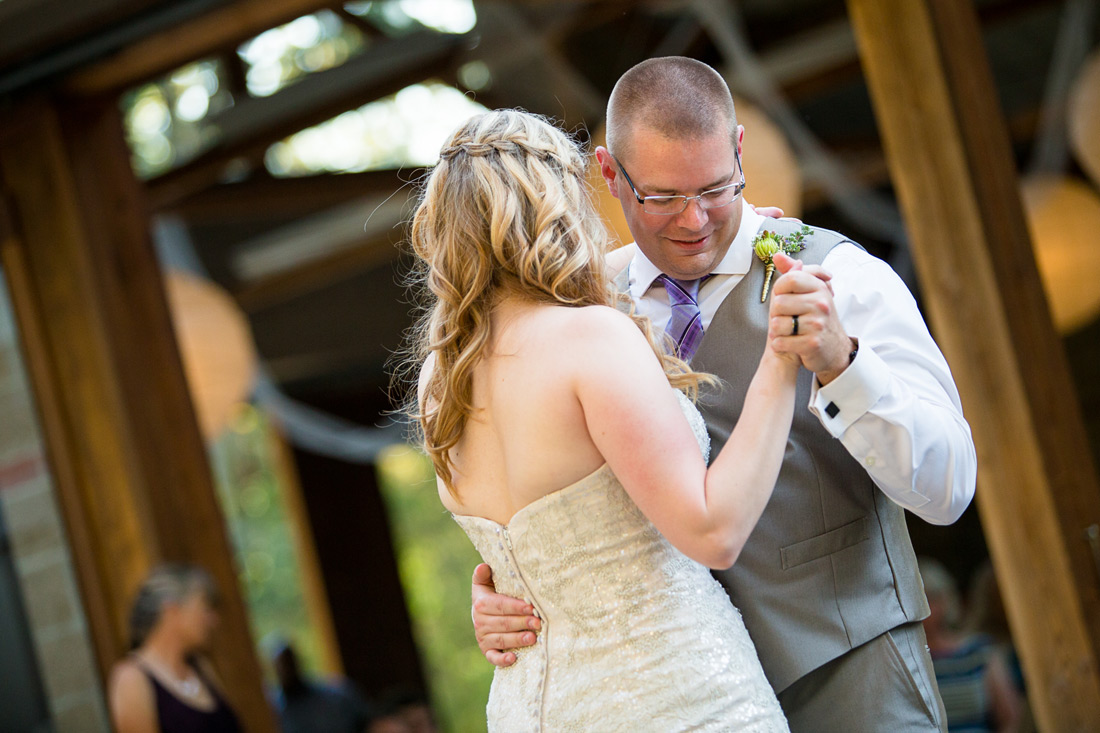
(178, 484)
(370, 618)
(346, 262)
(66, 345)
(162, 52)
(320, 250)
(318, 609)
(248, 128)
(365, 26)
(520, 51)
(121, 432)
(29, 27)
(948, 148)
(812, 61)
(257, 197)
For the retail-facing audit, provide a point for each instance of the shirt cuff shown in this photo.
(851, 395)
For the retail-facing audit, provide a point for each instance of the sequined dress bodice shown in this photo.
(636, 636)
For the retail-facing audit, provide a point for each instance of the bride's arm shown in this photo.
(638, 426)
(637, 422)
(618, 259)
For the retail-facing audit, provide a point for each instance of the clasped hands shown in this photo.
(803, 322)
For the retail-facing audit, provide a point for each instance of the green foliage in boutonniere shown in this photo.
(768, 243)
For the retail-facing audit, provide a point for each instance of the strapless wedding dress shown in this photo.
(635, 637)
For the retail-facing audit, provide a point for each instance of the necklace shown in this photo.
(188, 686)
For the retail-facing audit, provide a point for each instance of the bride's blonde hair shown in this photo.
(506, 211)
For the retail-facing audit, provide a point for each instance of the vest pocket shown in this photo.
(832, 541)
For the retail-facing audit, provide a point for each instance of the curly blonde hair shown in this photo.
(507, 211)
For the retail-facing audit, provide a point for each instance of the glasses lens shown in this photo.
(664, 204)
(720, 196)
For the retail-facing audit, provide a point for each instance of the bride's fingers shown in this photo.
(784, 263)
(818, 271)
(821, 273)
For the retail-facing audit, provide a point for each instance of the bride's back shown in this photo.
(527, 435)
(519, 308)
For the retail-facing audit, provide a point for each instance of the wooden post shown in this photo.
(312, 578)
(64, 343)
(124, 445)
(948, 149)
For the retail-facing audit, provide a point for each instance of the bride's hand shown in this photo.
(804, 320)
(618, 259)
(784, 360)
(781, 325)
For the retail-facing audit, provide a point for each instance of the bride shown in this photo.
(567, 446)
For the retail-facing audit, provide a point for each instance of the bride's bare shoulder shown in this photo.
(601, 327)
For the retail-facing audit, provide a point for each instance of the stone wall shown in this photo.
(39, 552)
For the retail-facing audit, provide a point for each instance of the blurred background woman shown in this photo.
(164, 684)
(971, 671)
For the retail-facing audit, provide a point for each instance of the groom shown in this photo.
(827, 583)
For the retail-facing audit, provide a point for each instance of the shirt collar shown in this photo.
(737, 261)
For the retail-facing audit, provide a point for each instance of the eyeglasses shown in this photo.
(672, 205)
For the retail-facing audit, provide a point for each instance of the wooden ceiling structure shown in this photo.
(558, 59)
(326, 324)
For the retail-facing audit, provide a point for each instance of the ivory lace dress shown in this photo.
(636, 636)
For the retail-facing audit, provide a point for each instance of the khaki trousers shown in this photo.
(884, 686)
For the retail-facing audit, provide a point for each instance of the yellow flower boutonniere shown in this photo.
(768, 243)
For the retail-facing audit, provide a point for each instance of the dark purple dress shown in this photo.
(176, 716)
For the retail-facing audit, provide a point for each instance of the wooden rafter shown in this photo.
(206, 35)
(348, 261)
(250, 127)
(258, 196)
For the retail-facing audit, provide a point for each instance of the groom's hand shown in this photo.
(500, 622)
(821, 342)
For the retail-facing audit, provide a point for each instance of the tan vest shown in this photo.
(830, 565)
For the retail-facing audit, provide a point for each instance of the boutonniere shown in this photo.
(768, 243)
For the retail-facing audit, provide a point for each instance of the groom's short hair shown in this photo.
(675, 96)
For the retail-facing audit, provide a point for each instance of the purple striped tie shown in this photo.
(685, 326)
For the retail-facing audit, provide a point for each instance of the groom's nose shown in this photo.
(694, 216)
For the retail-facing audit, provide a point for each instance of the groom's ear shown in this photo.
(608, 169)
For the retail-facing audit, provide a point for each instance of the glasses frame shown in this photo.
(739, 186)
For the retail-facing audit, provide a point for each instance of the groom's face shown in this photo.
(690, 244)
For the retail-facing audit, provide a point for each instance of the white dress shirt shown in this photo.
(900, 414)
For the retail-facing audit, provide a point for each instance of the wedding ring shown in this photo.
(794, 325)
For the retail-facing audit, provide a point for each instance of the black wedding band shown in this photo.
(794, 325)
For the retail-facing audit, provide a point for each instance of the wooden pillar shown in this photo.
(951, 162)
(348, 519)
(124, 446)
(312, 576)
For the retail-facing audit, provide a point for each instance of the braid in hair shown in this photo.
(506, 210)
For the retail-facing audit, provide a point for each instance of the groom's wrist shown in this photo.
(842, 362)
